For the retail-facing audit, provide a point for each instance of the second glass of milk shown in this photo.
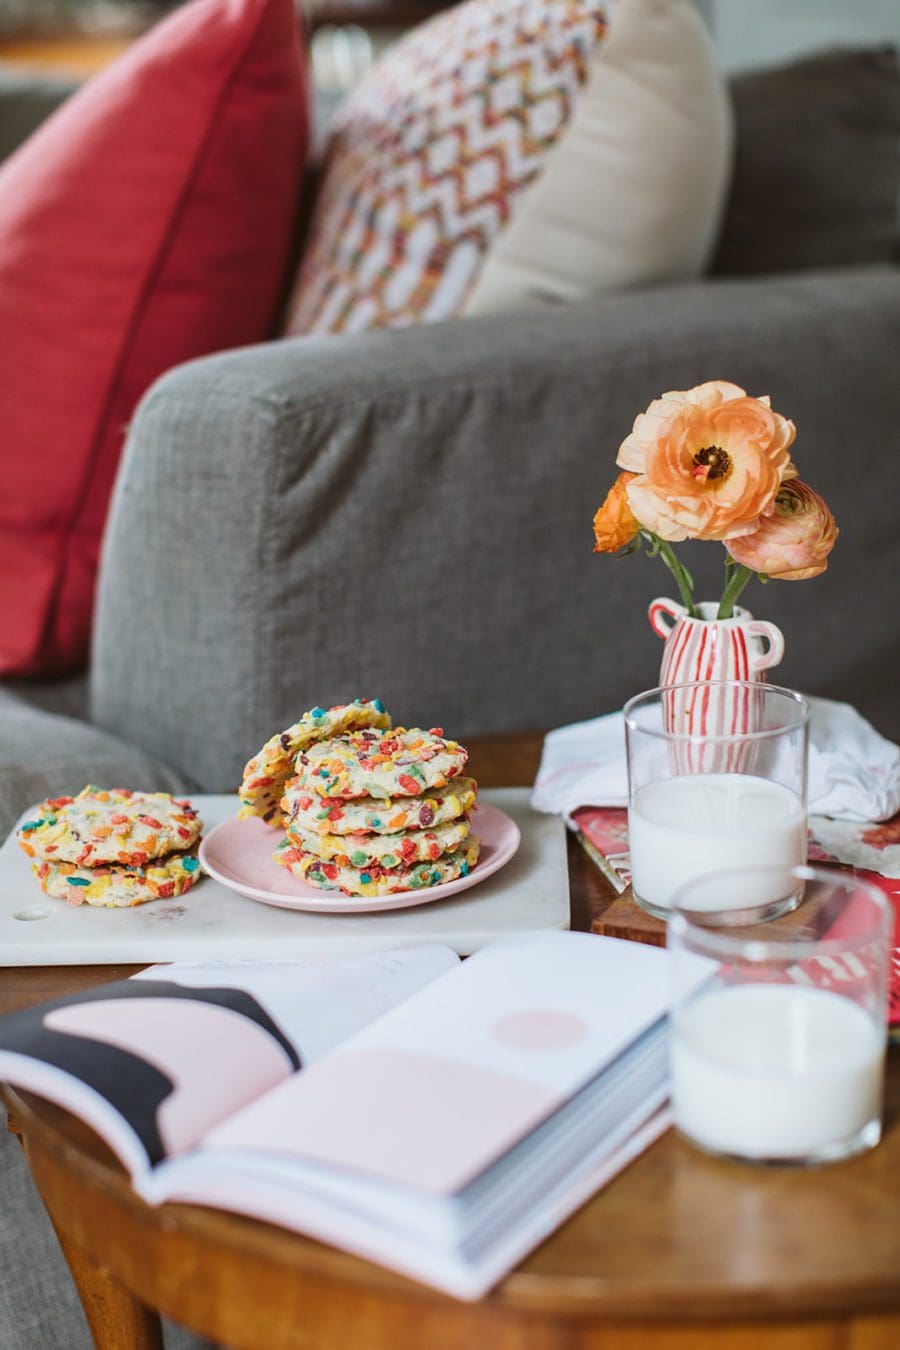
(778, 1028)
(717, 775)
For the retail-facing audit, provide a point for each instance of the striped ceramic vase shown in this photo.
(707, 648)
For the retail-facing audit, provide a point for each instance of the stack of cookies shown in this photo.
(369, 810)
(113, 848)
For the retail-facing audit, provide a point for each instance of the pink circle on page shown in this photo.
(540, 1029)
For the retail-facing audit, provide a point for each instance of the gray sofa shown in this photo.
(408, 515)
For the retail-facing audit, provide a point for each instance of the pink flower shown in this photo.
(708, 460)
(792, 543)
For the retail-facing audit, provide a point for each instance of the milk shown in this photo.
(777, 1071)
(680, 828)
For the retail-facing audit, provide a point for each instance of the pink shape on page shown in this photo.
(424, 1120)
(216, 1059)
(540, 1029)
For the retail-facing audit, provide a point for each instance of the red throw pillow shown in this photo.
(147, 222)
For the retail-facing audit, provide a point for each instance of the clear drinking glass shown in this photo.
(778, 1029)
(716, 778)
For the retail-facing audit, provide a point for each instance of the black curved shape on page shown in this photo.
(236, 1000)
(133, 1087)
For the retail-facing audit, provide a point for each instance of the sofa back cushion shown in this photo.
(148, 221)
(817, 168)
(512, 151)
(429, 155)
(634, 192)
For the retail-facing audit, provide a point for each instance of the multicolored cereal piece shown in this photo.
(307, 812)
(404, 762)
(377, 880)
(267, 773)
(114, 825)
(116, 887)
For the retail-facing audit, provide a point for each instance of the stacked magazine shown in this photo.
(438, 1117)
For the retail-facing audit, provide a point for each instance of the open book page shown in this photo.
(153, 1062)
(437, 1089)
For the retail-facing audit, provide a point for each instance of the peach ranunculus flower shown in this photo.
(792, 543)
(708, 462)
(614, 524)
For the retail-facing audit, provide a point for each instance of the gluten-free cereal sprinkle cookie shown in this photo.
(404, 762)
(117, 887)
(386, 850)
(109, 826)
(308, 812)
(377, 880)
(271, 767)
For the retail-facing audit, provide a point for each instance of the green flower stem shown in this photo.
(679, 572)
(737, 577)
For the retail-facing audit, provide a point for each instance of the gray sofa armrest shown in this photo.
(408, 515)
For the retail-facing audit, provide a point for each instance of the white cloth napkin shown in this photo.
(854, 774)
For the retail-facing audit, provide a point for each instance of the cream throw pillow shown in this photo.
(635, 191)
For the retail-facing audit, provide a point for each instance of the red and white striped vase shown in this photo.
(707, 648)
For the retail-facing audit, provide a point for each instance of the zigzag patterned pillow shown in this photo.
(429, 155)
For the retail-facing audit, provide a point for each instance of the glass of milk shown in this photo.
(778, 1028)
(717, 778)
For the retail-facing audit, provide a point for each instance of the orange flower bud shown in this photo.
(614, 524)
(794, 541)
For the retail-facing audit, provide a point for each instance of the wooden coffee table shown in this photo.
(680, 1251)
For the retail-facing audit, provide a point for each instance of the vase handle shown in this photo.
(662, 609)
(765, 660)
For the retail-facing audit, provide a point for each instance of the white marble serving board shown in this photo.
(213, 923)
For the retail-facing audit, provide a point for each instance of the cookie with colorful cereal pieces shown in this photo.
(270, 768)
(116, 887)
(377, 880)
(112, 825)
(384, 850)
(404, 762)
(307, 813)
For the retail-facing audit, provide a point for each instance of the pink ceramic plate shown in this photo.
(238, 853)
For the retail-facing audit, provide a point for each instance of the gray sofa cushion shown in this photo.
(45, 753)
(816, 170)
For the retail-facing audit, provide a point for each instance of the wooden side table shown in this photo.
(680, 1252)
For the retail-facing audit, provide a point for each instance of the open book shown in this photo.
(437, 1117)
